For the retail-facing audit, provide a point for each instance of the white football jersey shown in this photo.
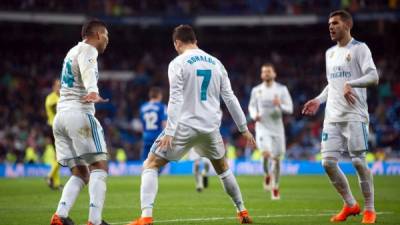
(79, 76)
(345, 64)
(261, 104)
(197, 82)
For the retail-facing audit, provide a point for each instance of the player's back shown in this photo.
(152, 115)
(202, 77)
(80, 58)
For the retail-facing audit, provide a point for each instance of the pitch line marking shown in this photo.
(231, 218)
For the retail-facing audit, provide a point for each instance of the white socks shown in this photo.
(231, 187)
(97, 193)
(70, 193)
(265, 163)
(275, 172)
(339, 180)
(148, 191)
(366, 181)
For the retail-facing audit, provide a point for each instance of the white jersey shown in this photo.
(261, 104)
(347, 64)
(79, 76)
(197, 82)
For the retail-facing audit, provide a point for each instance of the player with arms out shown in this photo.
(79, 137)
(268, 101)
(153, 115)
(197, 82)
(53, 178)
(349, 70)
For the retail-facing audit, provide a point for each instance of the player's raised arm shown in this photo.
(286, 102)
(175, 102)
(312, 106)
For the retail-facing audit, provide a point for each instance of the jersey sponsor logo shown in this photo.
(339, 72)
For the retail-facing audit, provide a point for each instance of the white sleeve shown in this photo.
(253, 108)
(323, 96)
(87, 61)
(175, 102)
(232, 102)
(368, 69)
(286, 102)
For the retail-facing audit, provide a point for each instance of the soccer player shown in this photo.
(267, 103)
(53, 178)
(153, 115)
(201, 167)
(349, 70)
(79, 137)
(197, 81)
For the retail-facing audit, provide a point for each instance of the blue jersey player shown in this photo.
(153, 115)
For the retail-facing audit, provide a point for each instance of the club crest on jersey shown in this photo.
(348, 57)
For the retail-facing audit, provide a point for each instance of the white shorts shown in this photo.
(77, 134)
(209, 145)
(344, 136)
(275, 145)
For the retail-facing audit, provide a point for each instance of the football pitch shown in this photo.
(305, 200)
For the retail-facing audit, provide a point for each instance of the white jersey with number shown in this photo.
(345, 64)
(197, 82)
(261, 104)
(79, 76)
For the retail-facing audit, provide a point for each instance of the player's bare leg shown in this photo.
(340, 182)
(80, 177)
(275, 175)
(231, 187)
(149, 188)
(367, 186)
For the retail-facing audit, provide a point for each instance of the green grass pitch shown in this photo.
(305, 200)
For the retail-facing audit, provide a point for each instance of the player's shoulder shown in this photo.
(358, 45)
(87, 49)
(257, 87)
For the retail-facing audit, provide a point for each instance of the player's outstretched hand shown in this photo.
(93, 97)
(250, 139)
(311, 107)
(165, 142)
(348, 94)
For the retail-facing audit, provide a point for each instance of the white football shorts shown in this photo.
(79, 138)
(275, 145)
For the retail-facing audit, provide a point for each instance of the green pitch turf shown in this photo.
(305, 200)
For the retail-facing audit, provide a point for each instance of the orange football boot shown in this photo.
(244, 217)
(369, 217)
(346, 212)
(142, 221)
(56, 220)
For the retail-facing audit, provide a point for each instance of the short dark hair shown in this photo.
(184, 33)
(155, 92)
(268, 64)
(90, 26)
(344, 15)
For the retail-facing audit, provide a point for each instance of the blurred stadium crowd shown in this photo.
(32, 56)
(185, 7)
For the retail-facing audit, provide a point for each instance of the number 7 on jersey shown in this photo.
(206, 82)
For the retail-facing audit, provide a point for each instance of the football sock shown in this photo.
(231, 187)
(70, 193)
(366, 181)
(97, 193)
(148, 191)
(198, 177)
(275, 171)
(338, 180)
(265, 162)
